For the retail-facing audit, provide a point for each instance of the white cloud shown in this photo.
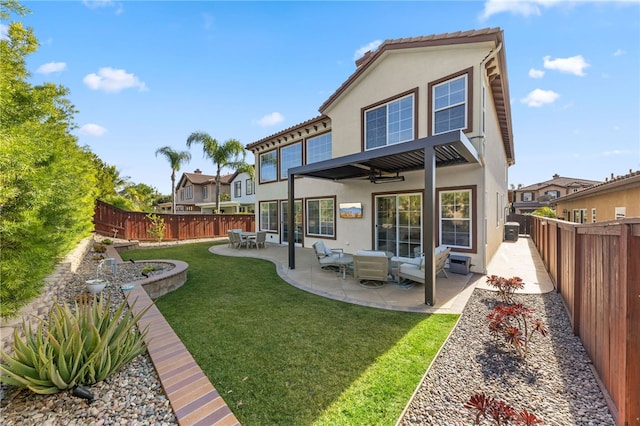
(271, 119)
(4, 32)
(524, 8)
(92, 130)
(539, 97)
(95, 4)
(619, 52)
(364, 49)
(573, 65)
(111, 80)
(51, 67)
(534, 73)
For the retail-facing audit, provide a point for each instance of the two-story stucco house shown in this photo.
(418, 139)
(528, 199)
(243, 199)
(616, 198)
(196, 192)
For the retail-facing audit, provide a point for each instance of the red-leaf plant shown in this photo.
(499, 411)
(506, 286)
(515, 323)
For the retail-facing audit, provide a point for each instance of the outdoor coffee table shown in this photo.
(343, 262)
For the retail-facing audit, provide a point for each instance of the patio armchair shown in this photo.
(259, 240)
(326, 256)
(415, 271)
(371, 267)
(239, 240)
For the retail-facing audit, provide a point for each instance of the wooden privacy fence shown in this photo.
(596, 268)
(110, 220)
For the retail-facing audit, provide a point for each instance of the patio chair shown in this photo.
(415, 272)
(259, 240)
(326, 256)
(371, 268)
(231, 239)
(239, 240)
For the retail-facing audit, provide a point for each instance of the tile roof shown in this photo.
(565, 182)
(610, 183)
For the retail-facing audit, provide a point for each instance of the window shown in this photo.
(249, 186)
(450, 105)
(553, 194)
(237, 189)
(268, 169)
(269, 216)
(205, 192)
(593, 215)
(527, 196)
(290, 156)
(189, 190)
(390, 123)
(319, 148)
(455, 215)
(620, 212)
(321, 217)
(182, 194)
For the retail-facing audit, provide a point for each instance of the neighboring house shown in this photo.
(616, 198)
(529, 198)
(419, 137)
(243, 199)
(163, 207)
(196, 192)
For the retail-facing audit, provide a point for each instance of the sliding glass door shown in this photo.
(297, 211)
(398, 224)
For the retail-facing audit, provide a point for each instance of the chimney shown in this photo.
(198, 171)
(556, 176)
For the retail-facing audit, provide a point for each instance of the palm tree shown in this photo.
(175, 159)
(229, 154)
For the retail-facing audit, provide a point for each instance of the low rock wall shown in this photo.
(41, 305)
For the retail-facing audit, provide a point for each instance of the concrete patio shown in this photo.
(514, 258)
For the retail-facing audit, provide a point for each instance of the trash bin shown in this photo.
(459, 264)
(511, 231)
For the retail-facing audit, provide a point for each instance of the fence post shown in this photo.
(577, 280)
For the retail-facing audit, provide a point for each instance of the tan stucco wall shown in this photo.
(605, 204)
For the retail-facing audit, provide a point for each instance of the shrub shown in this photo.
(107, 242)
(499, 411)
(516, 325)
(99, 248)
(148, 268)
(506, 286)
(157, 227)
(73, 347)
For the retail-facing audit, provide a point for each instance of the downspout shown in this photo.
(482, 148)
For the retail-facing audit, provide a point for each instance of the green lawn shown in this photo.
(279, 355)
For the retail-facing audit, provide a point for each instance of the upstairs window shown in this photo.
(189, 190)
(290, 156)
(553, 194)
(389, 123)
(319, 148)
(237, 189)
(450, 105)
(249, 186)
(268, 166)
(527, 196)
(205, 192)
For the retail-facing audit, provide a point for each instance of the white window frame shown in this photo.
(316, 148)
(323, 222)
(264, 164)
(266, 222)
(620, 213)
(593, 215)
(450, 104)
(205, 192)
(527, 196)
(468, 219)
(390, 125)
(249, 186)
(284, 167)
(237, 189)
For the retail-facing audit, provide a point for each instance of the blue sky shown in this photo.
(146, 74)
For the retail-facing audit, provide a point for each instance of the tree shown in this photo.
(48, 183)
(230, 154)
(175, 159)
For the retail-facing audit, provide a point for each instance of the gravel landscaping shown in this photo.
(555, 382)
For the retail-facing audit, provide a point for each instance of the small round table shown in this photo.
(343, 263)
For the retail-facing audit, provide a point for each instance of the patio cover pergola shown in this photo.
(447, 149)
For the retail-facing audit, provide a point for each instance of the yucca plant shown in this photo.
(73, 347)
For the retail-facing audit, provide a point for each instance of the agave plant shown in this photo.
(73, 347)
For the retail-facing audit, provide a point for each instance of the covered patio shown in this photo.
(386, 164)
(453, 292)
